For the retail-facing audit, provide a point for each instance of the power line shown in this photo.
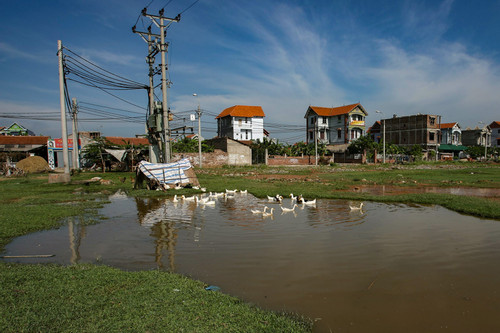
(189, 7)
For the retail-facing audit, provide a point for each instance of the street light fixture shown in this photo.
(485, 139)
(199, 130)
(383, 120)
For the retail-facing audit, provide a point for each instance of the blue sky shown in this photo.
(400, 57)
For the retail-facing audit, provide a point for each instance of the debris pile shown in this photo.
(33, 164)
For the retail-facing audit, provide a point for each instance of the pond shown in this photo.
(385, 268)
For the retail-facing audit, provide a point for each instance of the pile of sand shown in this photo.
(33, 164)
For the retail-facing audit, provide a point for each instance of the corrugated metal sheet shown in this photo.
(166, 173)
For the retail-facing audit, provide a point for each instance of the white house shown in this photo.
(241, 122)
(495, 134)
(451, 134)
(335, 126)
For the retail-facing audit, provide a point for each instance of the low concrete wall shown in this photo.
(290, 160)
(215, 159)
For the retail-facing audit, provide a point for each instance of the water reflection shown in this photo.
(387, 268)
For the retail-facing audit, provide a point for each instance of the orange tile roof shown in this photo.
(242, 111)
(448, 125)
(328, 112)
(23, 140)
(118, 140)
(495, 124)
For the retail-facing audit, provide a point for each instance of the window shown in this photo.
(431, 136)
(311, 136)
(432, 120)
(313, 120)
(355, 134)
(322, 135)
(339, 133)
(324, 120)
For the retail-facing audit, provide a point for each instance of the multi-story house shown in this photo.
(451, 141)
(477, 136)
(16, 130)
(495, 134)
(335, 126)
(241, 122)
(376, 131)
(451, 134)
(420, 129)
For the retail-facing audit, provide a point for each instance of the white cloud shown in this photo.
(445, 80)
(12, 52)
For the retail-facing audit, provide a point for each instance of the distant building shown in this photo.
(335, 126)
(495, 133)
(241, 122)
(477, 136)
(451, 141)
(420, 129)
(16, 130)
(375, 131)
(451, 134)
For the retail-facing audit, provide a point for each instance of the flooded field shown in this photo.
(384, 268)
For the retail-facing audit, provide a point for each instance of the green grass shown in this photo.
(86, 298)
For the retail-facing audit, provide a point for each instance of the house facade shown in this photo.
(477, 136)
(241, 122)
(495, 134)
(335, 126)
(451, 134)
(15, 130)
(420, 129)
(375, 131)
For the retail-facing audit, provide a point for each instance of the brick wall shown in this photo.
(217, 158)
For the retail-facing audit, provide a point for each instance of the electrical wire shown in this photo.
(189, 7)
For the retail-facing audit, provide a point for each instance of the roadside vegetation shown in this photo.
(97, 298)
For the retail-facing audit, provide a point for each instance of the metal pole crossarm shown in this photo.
(143, 33)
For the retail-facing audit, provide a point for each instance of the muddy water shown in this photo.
(387, 268)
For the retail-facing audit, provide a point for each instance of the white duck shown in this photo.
(356, 207)
(191, 199)
(288, 210)
(300, 199)
(231, 192)
(175, 199)
(268, 214)
(293, 197)
(256, 211)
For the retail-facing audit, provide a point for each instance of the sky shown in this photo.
(397, 57)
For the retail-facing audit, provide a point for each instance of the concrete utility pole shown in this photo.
(163, 23)
(63, 110)
(199, 131)
(316, 141)
(383, 138)
(154, 149)
(76, 152)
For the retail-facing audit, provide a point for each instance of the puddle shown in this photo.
(394, 190)
(386, 268)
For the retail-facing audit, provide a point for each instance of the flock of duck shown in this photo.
(211, 199)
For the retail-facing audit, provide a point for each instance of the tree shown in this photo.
(358, 146)
(187, 145)
(93, 153)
